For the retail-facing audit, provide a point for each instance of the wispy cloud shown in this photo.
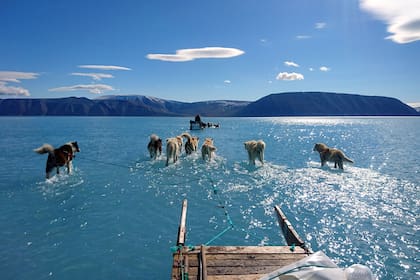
(95, 76)
(227, 81)
(14, 77)
(303, 37)
(291, 64)
(285, 76)
(192, 54)
(320, 25)
(11, 90)
(402, 18)
(104, 67)
(92, 88)
(324, 68)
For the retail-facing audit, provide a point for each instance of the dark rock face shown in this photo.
(325, 104)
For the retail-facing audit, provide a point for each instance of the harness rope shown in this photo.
(108, 163)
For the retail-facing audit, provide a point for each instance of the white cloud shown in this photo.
(402, 17)
(14, 77)
(324, 69)
(285, 76)
(291, 63)
(95, 76)
(10, 90)
(320, 25)
(227, 81)
(303, 37)
(92, 88)
(311, 69)
(191, 54)
(104, 67)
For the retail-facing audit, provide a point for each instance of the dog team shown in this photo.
(174, 147)
(255, 148)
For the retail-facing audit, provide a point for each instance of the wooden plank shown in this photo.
(186, 262)
(236, 266)
(182, 223)
(254, 257)
(289, 233)
(241, 271)
(254, 253)
(203, 263)
(252, 250)
(248, 262)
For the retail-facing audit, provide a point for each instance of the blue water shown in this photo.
(116, 216)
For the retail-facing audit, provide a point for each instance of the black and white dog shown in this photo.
(58, 157)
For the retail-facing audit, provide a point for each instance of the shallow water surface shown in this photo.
(117, 214)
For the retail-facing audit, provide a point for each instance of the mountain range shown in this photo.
(279, 104)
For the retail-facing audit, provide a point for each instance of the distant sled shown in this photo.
(197, 124)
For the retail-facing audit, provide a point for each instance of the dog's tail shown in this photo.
(154, 137)
(186, 135)
(46, 148)
(260, 146)
(347, 159)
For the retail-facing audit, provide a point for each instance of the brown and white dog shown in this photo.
(331, 155)
(173, 149)
(154, 146)
(207, 149)
(192, 143)
(58, 157)
(255, 150)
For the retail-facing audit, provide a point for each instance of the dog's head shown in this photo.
(250, 144)
(320, 147)
(194, 140)
(75, 147)
(208, 141)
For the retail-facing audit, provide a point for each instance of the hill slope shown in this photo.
(281, 104)
(325, 104)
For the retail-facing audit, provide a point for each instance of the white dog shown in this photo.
(173, 149)
(255, 150)
(208, 149)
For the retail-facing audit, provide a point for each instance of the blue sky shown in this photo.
(197, 50)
